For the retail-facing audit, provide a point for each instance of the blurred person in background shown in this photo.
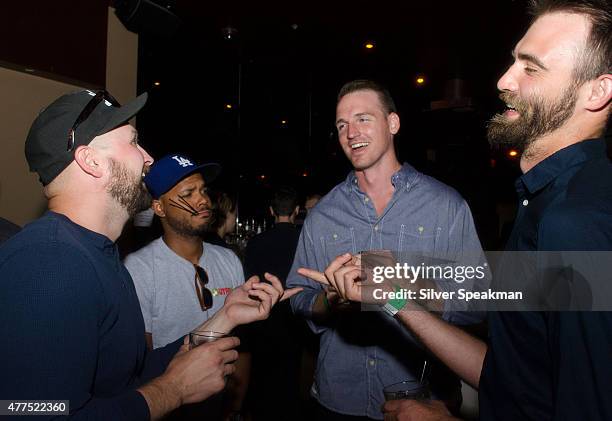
(224, 208)
(274, 394)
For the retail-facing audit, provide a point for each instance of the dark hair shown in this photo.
(368, 85)
(222, 205)
(596, 58)
(284, 201)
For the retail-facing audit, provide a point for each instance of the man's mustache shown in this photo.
(520, 105)
(186, 206)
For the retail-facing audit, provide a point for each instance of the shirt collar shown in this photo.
(405, 176)
(550, 168)
(98, 240)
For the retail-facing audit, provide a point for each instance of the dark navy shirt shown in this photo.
(7, 229)
(555, 365)
(70, 323)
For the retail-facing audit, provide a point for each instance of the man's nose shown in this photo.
(507, 82)
(352, 131)
(148, 159)
(203, 199)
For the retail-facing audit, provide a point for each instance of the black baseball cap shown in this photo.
(46, 145)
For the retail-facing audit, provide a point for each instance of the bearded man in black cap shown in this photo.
(71, 324)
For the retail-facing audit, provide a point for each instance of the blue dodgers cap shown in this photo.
(168, 171)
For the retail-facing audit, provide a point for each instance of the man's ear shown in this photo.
(600, 93)
(158, 208)
(296, 211)
(394, 123)
(89, 161)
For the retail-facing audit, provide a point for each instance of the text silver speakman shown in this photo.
(433, 294)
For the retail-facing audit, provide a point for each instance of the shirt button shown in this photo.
(372, 362)
(525, 202)
(367, 199)
(375, 227)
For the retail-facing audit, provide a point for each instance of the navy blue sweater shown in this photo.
(71, 325)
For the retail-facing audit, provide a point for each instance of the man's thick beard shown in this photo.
(130, 193)
(537, 118)
(182, 228)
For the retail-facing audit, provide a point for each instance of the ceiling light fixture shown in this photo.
(229, 33)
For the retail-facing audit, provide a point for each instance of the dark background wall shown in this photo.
(61, 39)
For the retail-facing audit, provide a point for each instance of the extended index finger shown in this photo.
(315, 275)
(284, 293)
(288, 293)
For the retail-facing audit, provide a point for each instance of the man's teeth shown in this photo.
(359, 145)
(510, 106)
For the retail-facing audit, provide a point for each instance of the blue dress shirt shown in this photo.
(364, 351)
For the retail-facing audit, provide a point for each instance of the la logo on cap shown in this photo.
(183, 162)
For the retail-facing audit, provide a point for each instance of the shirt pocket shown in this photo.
(422, 239)
(337, 242)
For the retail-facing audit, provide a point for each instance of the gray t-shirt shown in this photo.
(166, 290)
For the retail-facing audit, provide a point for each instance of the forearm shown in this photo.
(162, 397)
(219, 322)
(460, 351)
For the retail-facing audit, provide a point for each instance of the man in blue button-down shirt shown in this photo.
(550, 364)
(381, 205)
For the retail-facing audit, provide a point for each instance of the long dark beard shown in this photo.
(537, 118)
(129, 192)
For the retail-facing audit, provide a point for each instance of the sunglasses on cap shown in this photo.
(84, 115)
